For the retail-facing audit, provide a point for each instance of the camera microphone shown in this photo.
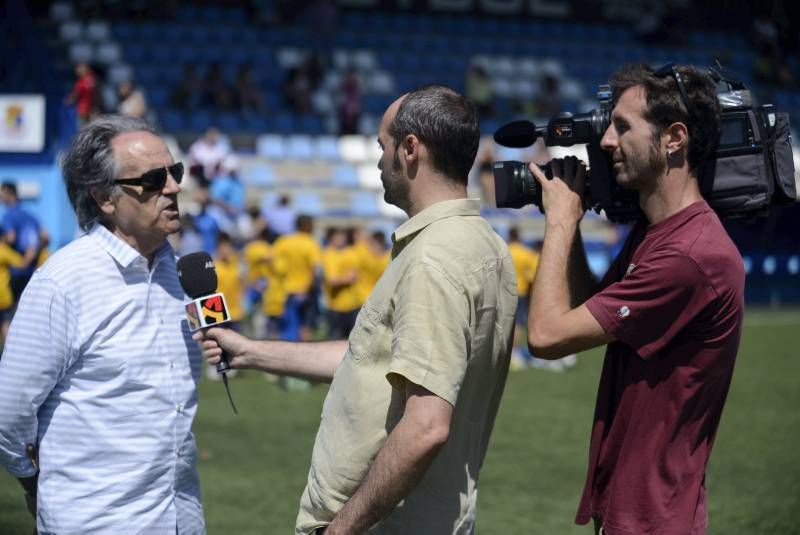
(207, 308)
(517, 134)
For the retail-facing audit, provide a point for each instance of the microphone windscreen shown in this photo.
(517, 134)
(197, 274)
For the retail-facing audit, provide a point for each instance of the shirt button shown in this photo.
(171, 365)
(179, 452)
(180, 408)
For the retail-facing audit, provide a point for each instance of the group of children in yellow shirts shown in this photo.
(264, 276)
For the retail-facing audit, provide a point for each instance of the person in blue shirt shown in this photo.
(21, 231)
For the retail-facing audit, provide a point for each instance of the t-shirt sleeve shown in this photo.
(431, 337)
(652, 303)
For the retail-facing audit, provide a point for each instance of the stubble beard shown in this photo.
(395, 188)
(643, 172)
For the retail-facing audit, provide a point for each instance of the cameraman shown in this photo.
(670, 307)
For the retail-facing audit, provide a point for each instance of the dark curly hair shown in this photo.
(665, 106)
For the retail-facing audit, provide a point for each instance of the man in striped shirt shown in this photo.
(98, 377)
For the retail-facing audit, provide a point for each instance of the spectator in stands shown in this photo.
(280, 217)
(218, 93)
(131, 100)
(302, 257)
(314, 70)
(478, 88)
(350, 103)
(770, 63)
(248, 95)
(188, 94)
(205, 221)
(189, 239)
(340, 272)
(85, 93)
(547, 102)
(206, 155)
(228, 193)
(23, 233)
(297, 90)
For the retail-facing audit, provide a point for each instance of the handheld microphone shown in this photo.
(207, 308)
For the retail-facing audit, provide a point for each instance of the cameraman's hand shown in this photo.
(562, 197)
(215, 340)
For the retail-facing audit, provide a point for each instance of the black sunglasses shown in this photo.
(154, 179)
(671, 70)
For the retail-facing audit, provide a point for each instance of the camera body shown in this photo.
(751, 171)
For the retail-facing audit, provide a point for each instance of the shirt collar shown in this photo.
(121, 252)
(431, 214)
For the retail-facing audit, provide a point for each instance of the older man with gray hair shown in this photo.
(99, 374)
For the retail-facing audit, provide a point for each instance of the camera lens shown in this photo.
(515, 186)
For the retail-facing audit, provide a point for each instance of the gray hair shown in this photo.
(88, 164)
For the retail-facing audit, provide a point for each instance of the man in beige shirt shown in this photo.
(415, 389)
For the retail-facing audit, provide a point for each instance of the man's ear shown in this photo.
(103, 201)
(411, 147)
(677, 137)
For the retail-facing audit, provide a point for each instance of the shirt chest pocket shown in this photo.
(370, 339)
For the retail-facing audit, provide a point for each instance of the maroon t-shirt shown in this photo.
(674, 299)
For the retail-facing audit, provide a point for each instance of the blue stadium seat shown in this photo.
(310, 124)
(157, 97)
(172, 121)
(300, 147)
(260, 175)
(200, 120)
(255, 122)
(229, 121)
(328, 148)
(345, 176)
(364, 204)
(134, 53)
(124, 31)
(283, 123)
(308, 203)
(149, 32)
(271, 146)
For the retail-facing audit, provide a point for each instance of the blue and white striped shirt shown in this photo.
(100, 370)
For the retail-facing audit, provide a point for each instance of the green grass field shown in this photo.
(253, 467)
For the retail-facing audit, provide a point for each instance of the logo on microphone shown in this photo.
(207, 311)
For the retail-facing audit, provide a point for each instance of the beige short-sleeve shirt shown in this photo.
(441, 316)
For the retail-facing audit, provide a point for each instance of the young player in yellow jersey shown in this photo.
(373, 258)
(301, 255)
(257, 255)
(8, 258)
(340, 269)
(525, 260)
